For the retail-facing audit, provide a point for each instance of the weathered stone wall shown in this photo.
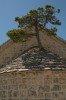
(54, 44)
(33, 85)
(10, 50)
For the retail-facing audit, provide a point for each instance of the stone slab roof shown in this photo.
(35, 59)
(12, 56)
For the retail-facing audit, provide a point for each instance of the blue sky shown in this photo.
(9, 9)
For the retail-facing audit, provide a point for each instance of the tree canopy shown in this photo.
(38, 19)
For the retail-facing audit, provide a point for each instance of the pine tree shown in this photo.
(38, 19)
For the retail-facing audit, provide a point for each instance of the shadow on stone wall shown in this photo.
(42, 59)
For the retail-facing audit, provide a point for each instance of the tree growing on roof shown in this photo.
(38, 19)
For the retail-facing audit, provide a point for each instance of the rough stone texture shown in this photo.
(19, 82)
(11, 50)
(54, 44)
(33, 59)
(33, 85)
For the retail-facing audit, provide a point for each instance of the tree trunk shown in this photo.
(38, 38)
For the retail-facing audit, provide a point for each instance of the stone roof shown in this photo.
(34, 58)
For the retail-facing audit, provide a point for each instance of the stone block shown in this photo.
(56, 87)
